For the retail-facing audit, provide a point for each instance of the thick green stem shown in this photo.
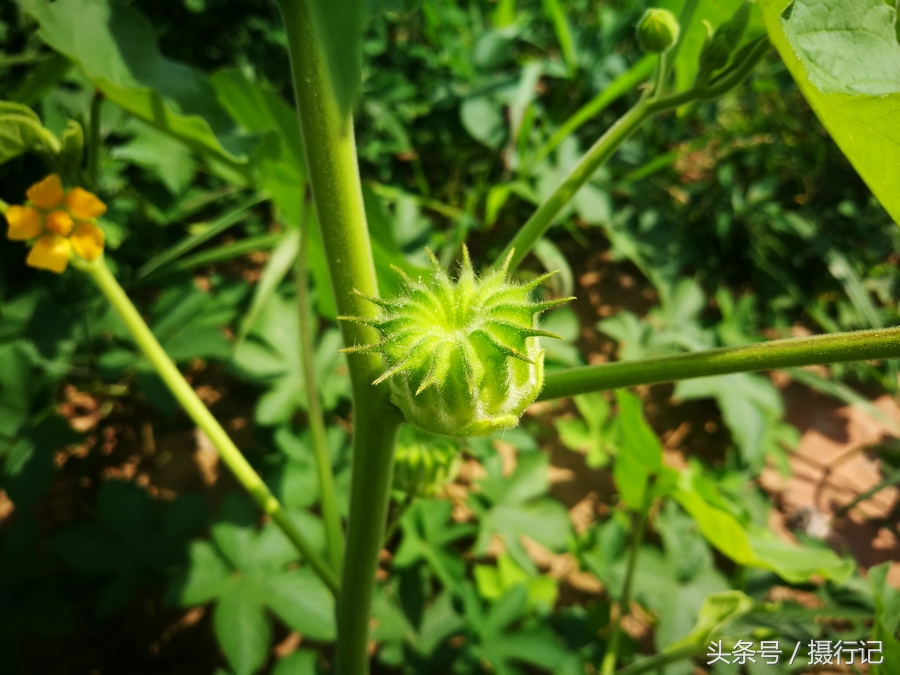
(334, 179)
(334, 533)
(864, 345)
(204, 419)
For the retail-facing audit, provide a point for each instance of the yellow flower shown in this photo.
(61, 222)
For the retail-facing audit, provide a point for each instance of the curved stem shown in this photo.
(334, 533)
(605, 146)
(334, 179)
(202, 417)
(660, 660)
(864, 345)
(616, 89)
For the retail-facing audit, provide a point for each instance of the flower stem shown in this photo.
(660, 660)
(334, 179)
(864, 345)
(334, 532)
(601, 151)
(204, 419)
(616, 89)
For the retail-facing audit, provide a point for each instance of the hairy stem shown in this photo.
(334, 532)
(202, 417)
(864, 345)
(334, 179)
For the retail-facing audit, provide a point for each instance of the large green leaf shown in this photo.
(846, 47)
(865, 127)
(115, 47)
(242, 629)
(21, 131)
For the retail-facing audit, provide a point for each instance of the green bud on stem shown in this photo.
(657, 31)
(424, 463)
(722, 41)
(462, 357)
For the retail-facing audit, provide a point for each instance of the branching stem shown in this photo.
(334, 179)
(864, 345)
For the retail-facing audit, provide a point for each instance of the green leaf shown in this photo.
(887, 620)
(639, 454)
(88, 549)
(21, 131)
(303, 602)
(482, 118)
(758, 547)
(865, 127)
(206, 577)
(161, 155)
(301, 662)
(277, 267)
(717, 611)
(750, 404)
(846, 47)
(115, 47)
(242, 629)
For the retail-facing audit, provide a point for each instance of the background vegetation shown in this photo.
(123, 548)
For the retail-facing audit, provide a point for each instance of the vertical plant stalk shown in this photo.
(334, 533)
(201, 415)
(608, 666)
(93, 148)
(334, 179)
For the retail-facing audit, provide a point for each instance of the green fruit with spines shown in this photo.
(463, 357)
(657, 31)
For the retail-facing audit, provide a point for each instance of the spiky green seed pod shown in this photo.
(657, 31)
(424, 463)
(462, 357)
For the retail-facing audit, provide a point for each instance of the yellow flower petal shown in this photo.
(50, 253)
(24, 223)
(48, 193)
(84, 205)
(87, 240)
(59, 222)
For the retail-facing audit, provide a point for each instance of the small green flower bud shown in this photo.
(424, 463)
(463, 358)
(719, 44)
(657, 31)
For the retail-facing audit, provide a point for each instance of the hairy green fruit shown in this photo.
(462, 357)
(657, 31)
(424, 463)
